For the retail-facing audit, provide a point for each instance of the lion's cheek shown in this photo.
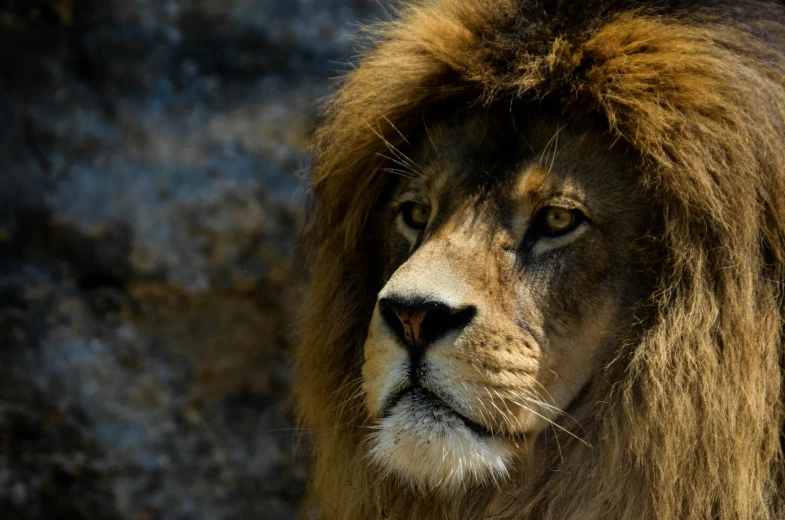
(384, 370)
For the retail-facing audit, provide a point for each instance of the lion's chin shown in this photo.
(424, 443)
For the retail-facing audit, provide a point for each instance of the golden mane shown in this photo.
(690, 420)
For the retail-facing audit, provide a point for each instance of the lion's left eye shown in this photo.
(556, 221)
(559, 220)
(416, 215)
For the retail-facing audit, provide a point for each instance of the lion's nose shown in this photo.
(419, 323)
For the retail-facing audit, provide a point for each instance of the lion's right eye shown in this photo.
(416, 215)
(553, 222)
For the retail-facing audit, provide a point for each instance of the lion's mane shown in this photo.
(687, 422)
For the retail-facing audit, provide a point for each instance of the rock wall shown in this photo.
(149, 205)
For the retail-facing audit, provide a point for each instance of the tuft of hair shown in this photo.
(690, 420)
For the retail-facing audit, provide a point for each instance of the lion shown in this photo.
(546, 265)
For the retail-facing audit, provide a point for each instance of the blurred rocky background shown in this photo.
(149, 206)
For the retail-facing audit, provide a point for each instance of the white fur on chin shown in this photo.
(429, 447)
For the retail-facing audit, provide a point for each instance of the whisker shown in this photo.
(555, 373)
(405, 166)
(565, 430)
(551, 399)
(347, 385)
(509, 412)
(548, 146)
(504, 417)
(430, 136)
(400, 173)
(555, 149)
(560, 411)
(395, 151)
(393, 126)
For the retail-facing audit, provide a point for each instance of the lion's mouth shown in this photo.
(435, 408)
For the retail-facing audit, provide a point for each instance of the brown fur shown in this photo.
(690, 422)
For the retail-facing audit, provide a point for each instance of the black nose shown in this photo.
(419, 323)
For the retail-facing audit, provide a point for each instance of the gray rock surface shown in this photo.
(149, 207)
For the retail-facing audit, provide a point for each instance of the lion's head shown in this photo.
(547, 254)
(510, 261)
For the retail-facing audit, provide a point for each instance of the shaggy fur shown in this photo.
(690, 422)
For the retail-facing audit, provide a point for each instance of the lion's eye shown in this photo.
(416, 215)
(559, 220)
(555, 221)
(552, 222)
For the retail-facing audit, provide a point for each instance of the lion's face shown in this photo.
(510, 273)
